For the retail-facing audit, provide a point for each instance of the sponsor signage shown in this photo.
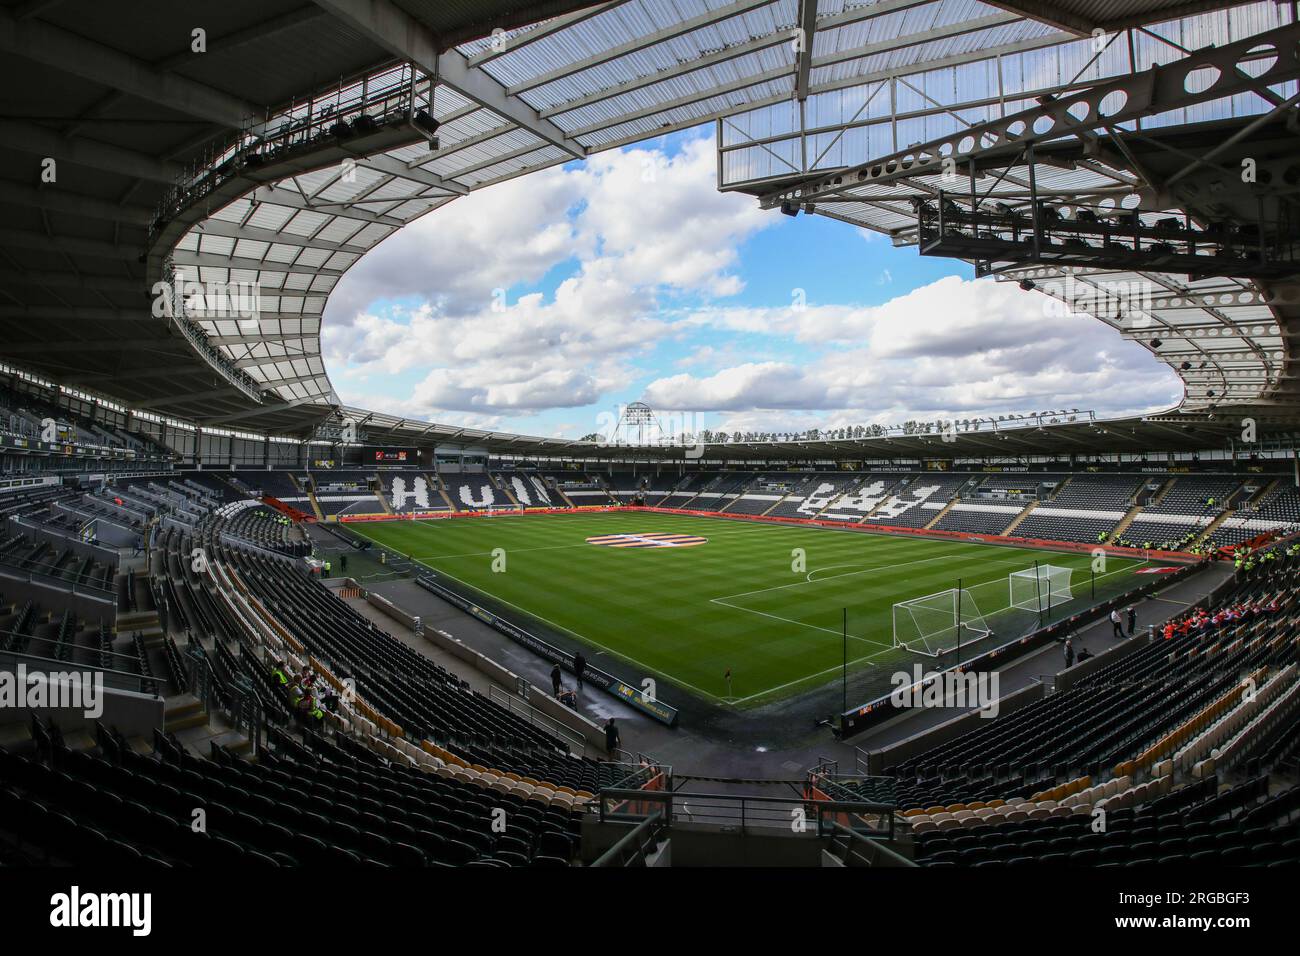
(396, 456)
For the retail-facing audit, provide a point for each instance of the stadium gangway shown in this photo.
(747, 812)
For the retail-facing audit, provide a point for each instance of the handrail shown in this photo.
(633, 847)
(799, 815)
(33, 639)
(64, 584)
(512, 701)
(122, 680)
(864, 849)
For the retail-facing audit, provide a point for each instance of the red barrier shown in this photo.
(288, 511)
(1113, 550)
(442, 515)
(1177, 557)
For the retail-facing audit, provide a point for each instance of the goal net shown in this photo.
(1040, 588)
(937, 623)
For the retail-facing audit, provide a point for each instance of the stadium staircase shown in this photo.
(942, 511)
(1061, 487)
(554, 485)
(955, 500)
(740, 493)
(1212, 527)
(776, 504)
(831, 502)
(311, 497)
(685, 505)
(1252, 500)
(504, 488)
(611, 491)
(1015, 522)
(377, 486)
(1124, 522)
(1160, 493)
(435, 481)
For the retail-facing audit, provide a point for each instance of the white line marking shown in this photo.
(581, 637)
(725, 598)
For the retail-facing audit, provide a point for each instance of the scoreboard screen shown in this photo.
(388, 456)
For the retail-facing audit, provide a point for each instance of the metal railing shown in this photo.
(636, 846)
(115, 679)
(394, 93)
(232, 694)
(517, 705)
(36, 576)
(747, 812)
(852, 848)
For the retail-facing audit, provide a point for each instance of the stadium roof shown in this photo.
(286, 151)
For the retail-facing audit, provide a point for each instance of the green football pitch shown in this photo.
(767, 601)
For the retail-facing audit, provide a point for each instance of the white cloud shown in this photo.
(951, 348)
(649, 251)
(638, 225)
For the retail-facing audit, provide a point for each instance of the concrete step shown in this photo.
(183, 712)
(234, 742)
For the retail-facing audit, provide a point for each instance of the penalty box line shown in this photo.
(787, 620)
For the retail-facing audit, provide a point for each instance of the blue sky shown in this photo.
(544, 304)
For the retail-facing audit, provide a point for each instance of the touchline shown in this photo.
(73, 690)
(95, 910)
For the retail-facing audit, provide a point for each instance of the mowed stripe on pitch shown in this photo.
(657, 608)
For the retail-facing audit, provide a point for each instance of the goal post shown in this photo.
(1039, 588)
(937, 623)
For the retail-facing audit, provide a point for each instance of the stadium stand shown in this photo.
(530, 491)
(979, 518)
(863, 497)
(1118, 738)
(718, 491)
(475, 492)
(682, 492)
(918, 501)
(1082, 509)
(147, 538)
(339, 493)
(1278, 511)
(409, 491)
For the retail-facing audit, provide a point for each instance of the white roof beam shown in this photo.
(392, 28)
(638, 44)
(541, 31)
(229, 230)
(209, 260)
(384, 163)
(280, 196)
